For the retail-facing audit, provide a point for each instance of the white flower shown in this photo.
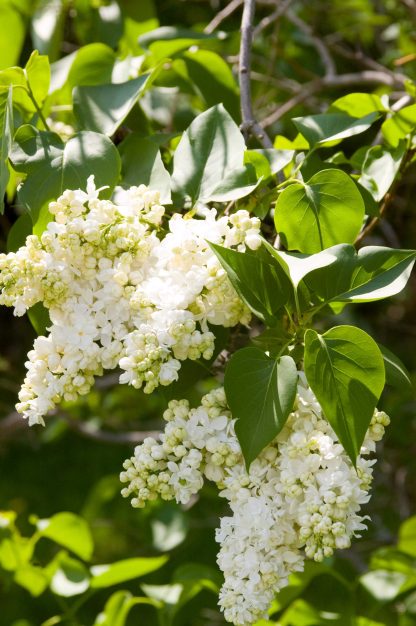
(119, 294)
(300, 499)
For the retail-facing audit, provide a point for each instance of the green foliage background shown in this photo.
(66, 467)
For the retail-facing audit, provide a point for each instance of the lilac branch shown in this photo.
(249, 125)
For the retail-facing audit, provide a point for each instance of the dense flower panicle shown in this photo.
(300, 499)
(121, 293)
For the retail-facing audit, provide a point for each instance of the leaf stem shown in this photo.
(38, 110)
(281, 352)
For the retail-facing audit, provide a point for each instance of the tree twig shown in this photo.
(273, 17)
(319, 45)
(340, 80)
(249, 124)
(14, 424)
(86, 429)
(222, 15)
(369, 227)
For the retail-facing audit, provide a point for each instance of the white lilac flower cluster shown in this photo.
(121, 291)
(300, 499)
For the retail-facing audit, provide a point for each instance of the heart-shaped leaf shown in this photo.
(263, 286)
(260, 393)
(345, 370)
(326, 210)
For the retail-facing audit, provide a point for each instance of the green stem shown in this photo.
(284, 348)
(289, 181)
(38, 110)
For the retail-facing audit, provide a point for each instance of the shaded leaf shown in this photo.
(70, 578)
(53, 166)
(141, 163)
(103, 108)
(260, 393)
(70, 531)
(261, 285)
(396, 373)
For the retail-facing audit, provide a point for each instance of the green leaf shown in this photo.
(260, 393)
(6, 130)
(47, 26)
(21, 229)
(38, 74)
(70, 531)
(396, 373)
(211, 77)
(297, 265)
(381, 273)
(91, 65)
(32, 578)
(13, 28)
(120, 571)
(275, 159)
(166, 41)
(400, 125)
(380, 168)
(383, 585)
(118, 607)
(15, 77)
(345, 370)
(237, 184)
(141, 163)
(325, 127)
(263, 286)
(70, 578)
(326, 210)
(359, 104)
(407, 536)
(53, 166)
(208, 151)
(103, 108)
(374, 273)
(39, 318)
(169, 527)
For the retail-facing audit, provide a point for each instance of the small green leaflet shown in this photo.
(345, 370)
(263, 286)
(380, 168)
(118, 607)
(127, 569)
(6, 130)
(401, 124)
(325, 127)
(260, 393)
(38, 76)
(326, 210)
(359, 104)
